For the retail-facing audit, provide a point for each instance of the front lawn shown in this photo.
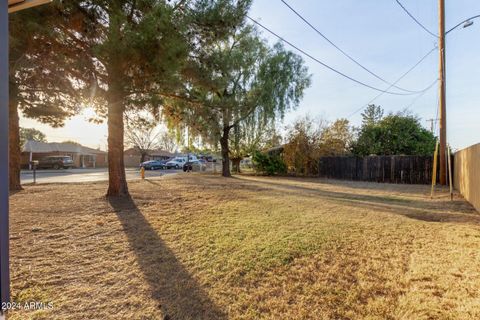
(196, 246)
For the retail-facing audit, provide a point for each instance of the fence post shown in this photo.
(434, 174)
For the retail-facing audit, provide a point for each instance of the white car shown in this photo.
(176, 163)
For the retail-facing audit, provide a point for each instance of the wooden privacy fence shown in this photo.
(467, 174)
(389, 169)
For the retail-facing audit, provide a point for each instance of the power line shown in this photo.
(342, 51)
(421, 92)
(325, 65)
(414, 19)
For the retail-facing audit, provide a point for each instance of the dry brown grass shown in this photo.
(205, 247)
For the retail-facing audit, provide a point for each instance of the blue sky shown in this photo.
(387, 41)
(384, 39)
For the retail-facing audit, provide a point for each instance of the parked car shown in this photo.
(176, 163)
(55, 162)
(195, 165)
(153, 165)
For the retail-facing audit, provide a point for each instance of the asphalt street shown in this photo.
(85, 175)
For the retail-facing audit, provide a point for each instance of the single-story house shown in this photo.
(160, 154)
(83, 157)
(132, 156)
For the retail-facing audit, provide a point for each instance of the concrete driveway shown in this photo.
(85, 175)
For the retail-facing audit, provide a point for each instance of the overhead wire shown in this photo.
(421, 94)
(396, 81)
(415, 19)
(327, 66)
(341, 50)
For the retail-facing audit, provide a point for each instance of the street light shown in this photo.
(467, 23)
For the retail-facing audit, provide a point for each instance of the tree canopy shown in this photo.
(33, 134)
(372, 115)
(136, 51)
(302, 148)
(43, 66)
(250, 135)
(234, 80)
(336, 139)
(394, 134)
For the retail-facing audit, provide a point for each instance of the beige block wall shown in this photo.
(467, 174)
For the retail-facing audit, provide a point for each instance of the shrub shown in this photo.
(302, 150)
(267, 164)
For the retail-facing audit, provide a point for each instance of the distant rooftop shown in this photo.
(47, 147)
(153, 153)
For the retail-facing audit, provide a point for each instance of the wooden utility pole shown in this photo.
(431, 124)
(443, 109)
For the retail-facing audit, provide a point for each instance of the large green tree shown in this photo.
(395, 134)
(252, 134)
(233, 79)
(138, 49)
(43, 64)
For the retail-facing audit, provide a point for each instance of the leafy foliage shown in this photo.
(136, 53)
(399, 133)
(268, 164)
(250, 135)
(72, 142)
(336, 139)
(234, 81)
(43, 66)
(302, 150)
(27, 134)
(166, 142)
(309, 139)
(372, 115)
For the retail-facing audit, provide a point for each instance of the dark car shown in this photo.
(153, 164)
(188, 166)
(55, 162)
(194, 165)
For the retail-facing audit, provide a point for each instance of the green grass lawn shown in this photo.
(204, 247)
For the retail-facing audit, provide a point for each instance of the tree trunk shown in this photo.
(117, 182)
(14, 146)
(225, 152)
(142, 157)
(236, 164)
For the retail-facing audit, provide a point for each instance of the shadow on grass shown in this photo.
(179, 295)
(353, 184)
(440, 211)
